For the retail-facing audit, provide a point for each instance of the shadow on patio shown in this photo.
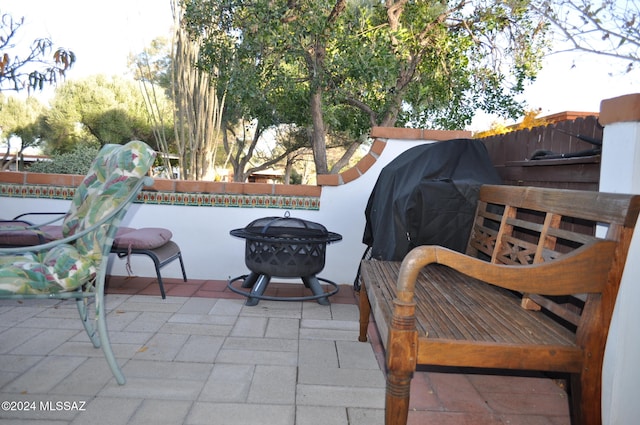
(202, 357)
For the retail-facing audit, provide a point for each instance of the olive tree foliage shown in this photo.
(336, 68)
(20, 123)
(97, 109)
(30, 67)
(605, 27)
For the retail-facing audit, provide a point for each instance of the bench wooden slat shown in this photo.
(579, 238)
(380, 310)
(455, 307)
(605, 207)
(498, 356)
(496, 312)
(449, 294)
(488, 214)
(568, 315)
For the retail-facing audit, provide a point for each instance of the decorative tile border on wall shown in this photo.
(175, 198)
(230, 200)
(222, 194)
(36, 191)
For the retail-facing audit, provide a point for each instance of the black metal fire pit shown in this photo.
(284, 247)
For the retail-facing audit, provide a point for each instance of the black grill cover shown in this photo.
(427, 196)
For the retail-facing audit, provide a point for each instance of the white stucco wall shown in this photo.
(202, 233)
(620, 173)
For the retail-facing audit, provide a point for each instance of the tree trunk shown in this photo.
(346, 157)
(318, 141)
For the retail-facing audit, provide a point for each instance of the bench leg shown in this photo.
(365, 312)
(397, 398)
(401, 358)
(586, 405)
(159, 261)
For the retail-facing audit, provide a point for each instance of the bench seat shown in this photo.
(452, 308)
(482, 312)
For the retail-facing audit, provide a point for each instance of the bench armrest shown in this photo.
(584, 270)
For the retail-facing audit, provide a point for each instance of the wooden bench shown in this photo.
(534, 291)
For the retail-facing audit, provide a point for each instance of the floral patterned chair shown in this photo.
(74, 267)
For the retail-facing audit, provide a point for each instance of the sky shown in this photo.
(100, 33)
(103, 33)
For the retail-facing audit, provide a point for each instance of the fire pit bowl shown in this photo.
(284, 247)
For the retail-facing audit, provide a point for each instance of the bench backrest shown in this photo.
(527, 225)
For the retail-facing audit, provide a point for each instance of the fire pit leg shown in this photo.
(250, 280)
(313, 283)
(258, 289)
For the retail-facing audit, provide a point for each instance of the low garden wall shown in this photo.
(200, 214)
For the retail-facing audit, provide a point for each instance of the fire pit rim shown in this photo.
(305, 232)
(284, 238)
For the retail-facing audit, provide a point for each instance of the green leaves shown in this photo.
(418, 63)
(97, 109)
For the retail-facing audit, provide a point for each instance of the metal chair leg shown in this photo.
(104, 334)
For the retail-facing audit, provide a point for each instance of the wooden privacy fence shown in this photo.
(563, 155)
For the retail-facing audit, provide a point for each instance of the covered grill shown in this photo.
(284, 247)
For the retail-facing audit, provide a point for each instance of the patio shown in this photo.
(202, 357)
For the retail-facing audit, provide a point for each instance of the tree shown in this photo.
(152, 68)
(154, 64)
(96, 109)
(20, 122)
(192, 96)
(198, 105)
(607, 27)
(247, 155)
(339, 67)
(33, 68)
